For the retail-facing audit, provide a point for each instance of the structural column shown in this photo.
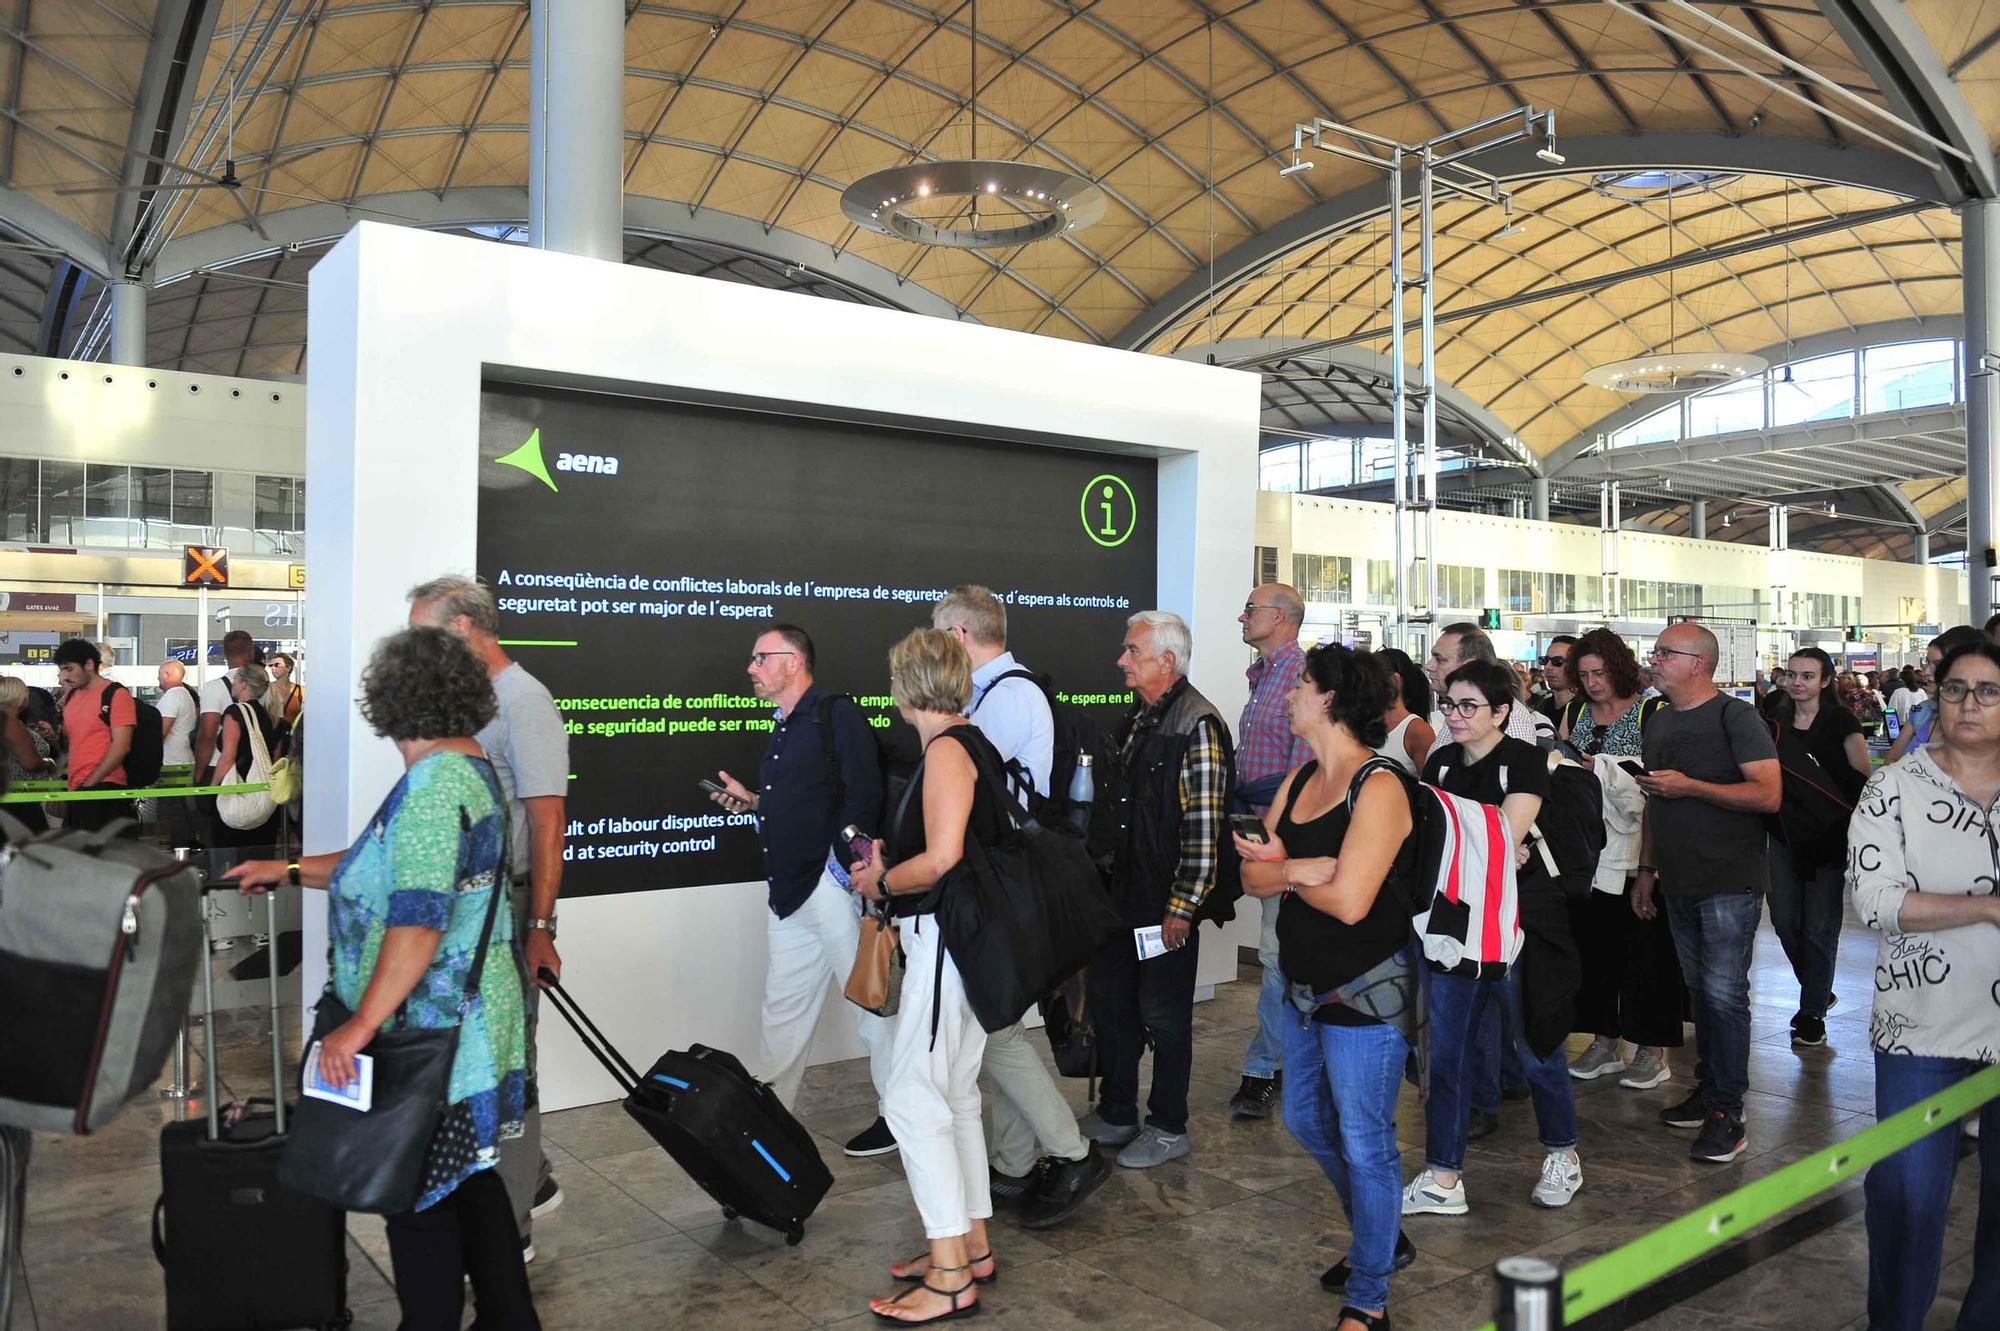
(1982, 397)
(576, 126)
(1922, 552)
(1541, 492)
(128, 323)
(1698, 519)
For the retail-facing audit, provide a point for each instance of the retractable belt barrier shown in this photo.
(44, 791)
(1528, 1287)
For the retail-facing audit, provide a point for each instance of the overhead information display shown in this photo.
(638, 547)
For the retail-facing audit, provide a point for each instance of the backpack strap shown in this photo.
(111, 686)
(1018, 672)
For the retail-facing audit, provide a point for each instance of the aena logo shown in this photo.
(528, 458)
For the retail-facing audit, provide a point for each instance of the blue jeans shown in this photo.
(1496, 1058)
(1340, 1103)
(1267, 1047)
(1714, 937)
(1805, 914)
(1457, 1006)
(1907, 1197)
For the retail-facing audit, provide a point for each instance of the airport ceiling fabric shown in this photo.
(765, 110)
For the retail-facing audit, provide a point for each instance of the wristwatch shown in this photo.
(549, 924)
(292, 874)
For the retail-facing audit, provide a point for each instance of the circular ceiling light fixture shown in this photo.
(1674, 373)
(1046, 203)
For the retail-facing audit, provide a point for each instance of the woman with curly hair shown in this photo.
(1632, 984)
(407, 904)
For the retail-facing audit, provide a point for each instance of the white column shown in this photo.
(1922, 553)
(128, 323)
(576, 126)
(1982, 397)
(1540, 485)
(1698, 519)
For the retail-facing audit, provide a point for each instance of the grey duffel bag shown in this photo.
(99, 939)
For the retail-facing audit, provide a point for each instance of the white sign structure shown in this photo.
(405, 325)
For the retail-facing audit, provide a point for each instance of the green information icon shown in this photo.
(1109, 510)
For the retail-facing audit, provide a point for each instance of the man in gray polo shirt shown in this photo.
(529, 750)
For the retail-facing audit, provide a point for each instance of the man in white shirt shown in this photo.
(1012, 712)
(178, 708)
(238, 650)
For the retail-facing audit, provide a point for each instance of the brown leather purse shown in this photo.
(876, 982)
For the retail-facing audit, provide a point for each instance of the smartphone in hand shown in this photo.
(712, 787)
(1250, 827)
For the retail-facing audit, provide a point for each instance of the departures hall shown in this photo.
(735, 665)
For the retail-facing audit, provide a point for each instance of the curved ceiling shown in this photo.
(761, 111)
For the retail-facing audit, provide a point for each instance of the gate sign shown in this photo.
(204, 566)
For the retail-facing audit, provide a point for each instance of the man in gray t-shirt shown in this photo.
(529, 749)
(1711, 776)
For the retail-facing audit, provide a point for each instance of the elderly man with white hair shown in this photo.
(1172, 866)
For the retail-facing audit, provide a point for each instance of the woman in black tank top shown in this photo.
(931, 1093)
(1338, 852)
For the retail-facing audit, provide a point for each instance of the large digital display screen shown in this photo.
(637, 547)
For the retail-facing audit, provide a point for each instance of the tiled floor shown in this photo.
(1232, 1237)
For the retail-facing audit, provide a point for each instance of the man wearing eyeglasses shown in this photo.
(1712, 775)
(820, 774)
(1462, 644)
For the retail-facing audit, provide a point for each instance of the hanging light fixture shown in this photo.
(902, 201)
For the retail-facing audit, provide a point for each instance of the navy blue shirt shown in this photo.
(805, 796)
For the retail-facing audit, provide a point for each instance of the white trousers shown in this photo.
(932, 1099)
(1028, 1107)
(811, 949)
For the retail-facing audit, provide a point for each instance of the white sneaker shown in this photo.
(1426, 1196)
(1649, 1069)
(1599, 1060)
(1562, 1176)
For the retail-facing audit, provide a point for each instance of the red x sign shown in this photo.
(203, 566)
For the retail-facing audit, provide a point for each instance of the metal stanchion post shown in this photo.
(179, 1089)
(1530, 1295)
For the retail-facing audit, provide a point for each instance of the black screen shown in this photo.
(637, 548)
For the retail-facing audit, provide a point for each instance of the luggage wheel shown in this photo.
(729, 1213)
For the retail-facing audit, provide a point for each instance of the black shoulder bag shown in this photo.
(374, 1162)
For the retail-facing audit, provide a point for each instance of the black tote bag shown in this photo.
(373, 1162)
(1023, 915)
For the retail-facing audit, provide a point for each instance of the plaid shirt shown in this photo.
(1265, 744)
(1204, 799)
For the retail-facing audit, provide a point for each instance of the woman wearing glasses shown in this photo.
(1484, 763)
(1824, 758)
(1632, 985)
(1338, 852)
(1920, 868)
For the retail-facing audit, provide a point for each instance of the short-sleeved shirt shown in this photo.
(431, 858)
(1015, 715)
(529, 749)
(1514, 767)
(178, 706)
(89, 738)
(1702, 849)
(216, 696)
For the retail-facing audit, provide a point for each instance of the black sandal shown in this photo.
(970, 1262)
(955, 1311)
(1370, 1321)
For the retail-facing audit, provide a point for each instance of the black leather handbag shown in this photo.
(374, 1162)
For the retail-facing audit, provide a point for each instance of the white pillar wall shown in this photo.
(576, 127)
(1981, 249)
(404, 326)
(128, 323)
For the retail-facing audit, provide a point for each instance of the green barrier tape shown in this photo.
(1603, 1281)
(144, 793)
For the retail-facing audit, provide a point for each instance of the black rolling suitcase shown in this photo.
(240, 1252)
(721, 1125)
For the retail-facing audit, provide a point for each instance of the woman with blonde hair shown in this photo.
(235, 750)
(25, 754)
(931, 1098)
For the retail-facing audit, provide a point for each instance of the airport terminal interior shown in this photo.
(1544, 316)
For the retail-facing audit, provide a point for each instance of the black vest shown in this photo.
(1140, 824)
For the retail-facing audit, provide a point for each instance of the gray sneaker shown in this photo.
(1093, 1127)
(1648, 1070)
(1153, 1147)
(1599, 1060)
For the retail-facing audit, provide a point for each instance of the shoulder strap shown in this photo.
(1573, 713)
(1018, 672)
(1648, 709)
(1375, 764)
(498, 890)
(1299, 779)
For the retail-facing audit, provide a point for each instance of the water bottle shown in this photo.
(1082, 792)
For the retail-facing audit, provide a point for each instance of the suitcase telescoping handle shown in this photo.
(208, 1010)
(586, 1030)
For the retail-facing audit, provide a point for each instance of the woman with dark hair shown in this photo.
(1486, 764)
(1407, 734)
(1923, 711)
(1921, 873)
(1632, 987)
(1824, 758)
(406, 907)
(1338, 852)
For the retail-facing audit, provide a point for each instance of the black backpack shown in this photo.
(1076, 733)
(896, 754)
(143, 761)
(1570, 829)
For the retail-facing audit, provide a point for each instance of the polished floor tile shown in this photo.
(1231, 1238)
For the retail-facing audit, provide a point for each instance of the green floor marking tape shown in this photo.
(1603, 1281)
(61, 796)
